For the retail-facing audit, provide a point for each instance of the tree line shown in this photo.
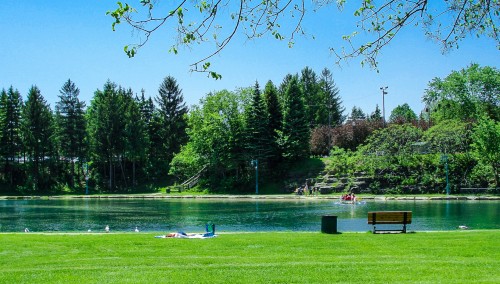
(454, 142)
(124, 142)
(117, 143)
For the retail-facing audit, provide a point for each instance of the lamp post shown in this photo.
(384, 92)
(255, 163)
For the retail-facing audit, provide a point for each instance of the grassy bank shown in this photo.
(446, 257)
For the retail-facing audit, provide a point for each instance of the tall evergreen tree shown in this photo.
(152, 122)
(106, 124)
(315, 108)
(283, 87)
(376, 115)
(257, 134)
(172, 111)
(357, 113)
(71, 126)
(10, 137)
(331, 99)
(38, 134)
(274, 119)
(3, 124)
(136, 134)
(146, 107)
(294, 136)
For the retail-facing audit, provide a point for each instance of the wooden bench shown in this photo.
(389, 218)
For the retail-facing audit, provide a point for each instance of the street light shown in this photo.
(255, 163)
(384, 92)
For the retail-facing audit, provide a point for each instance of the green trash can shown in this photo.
(329, 224)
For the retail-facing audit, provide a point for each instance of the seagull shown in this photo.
(136, 230)
(463, 227)
(106, 229)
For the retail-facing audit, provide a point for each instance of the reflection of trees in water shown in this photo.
(251, 215)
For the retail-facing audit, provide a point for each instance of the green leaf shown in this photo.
(215, 75)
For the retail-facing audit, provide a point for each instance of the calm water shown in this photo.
(77, 215)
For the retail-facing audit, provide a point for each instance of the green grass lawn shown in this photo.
(436, 257)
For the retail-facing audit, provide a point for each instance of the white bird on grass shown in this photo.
(26, 230)
(106, 229)
(136, 230)
(463, 227)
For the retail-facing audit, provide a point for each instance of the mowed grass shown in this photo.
(423, 257)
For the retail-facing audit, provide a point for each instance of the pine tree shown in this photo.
(11, 105)
(274, 121)
(38, 137)
(315, 108)
(294, 137)
(152, 123)
(107, 124)
(283, 87)
(71, 126)
(331, 99)
(376, 115)
(3, 134)
(172, 111)
(136, 135)
(357, 114)
(273, 107)
(146, 107)
(257, 134)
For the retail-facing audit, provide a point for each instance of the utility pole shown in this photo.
(384, 92)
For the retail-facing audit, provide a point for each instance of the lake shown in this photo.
(191, 215)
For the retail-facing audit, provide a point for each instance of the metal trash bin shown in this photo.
(329, 224)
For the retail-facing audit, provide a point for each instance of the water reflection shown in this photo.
(77, 215)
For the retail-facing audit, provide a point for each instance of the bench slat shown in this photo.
(389, 217)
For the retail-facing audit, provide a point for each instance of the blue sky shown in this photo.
(45, 44)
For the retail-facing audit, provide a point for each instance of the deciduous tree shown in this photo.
(218, 22)
(487, 145)
(402, 114)
(466, 94)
